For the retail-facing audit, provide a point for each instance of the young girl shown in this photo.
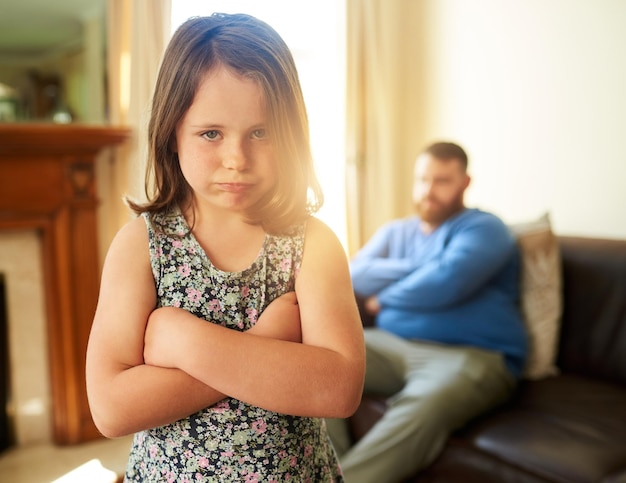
(226, 327)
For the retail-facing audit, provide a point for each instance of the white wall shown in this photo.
(536, 92)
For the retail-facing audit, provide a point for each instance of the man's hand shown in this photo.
(372, 305)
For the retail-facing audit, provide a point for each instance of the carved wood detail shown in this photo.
(47, 183)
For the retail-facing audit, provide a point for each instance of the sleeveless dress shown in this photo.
(231, 440)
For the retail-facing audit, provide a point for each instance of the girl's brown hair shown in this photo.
(251, 48)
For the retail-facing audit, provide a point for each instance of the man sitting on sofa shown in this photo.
(449, 342)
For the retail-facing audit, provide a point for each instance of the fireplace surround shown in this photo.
(47, 184)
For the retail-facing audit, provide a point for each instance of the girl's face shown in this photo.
(223, 147)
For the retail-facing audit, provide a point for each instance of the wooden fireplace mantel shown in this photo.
(47, 183)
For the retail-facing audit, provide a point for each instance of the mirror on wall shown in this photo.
(53, 61)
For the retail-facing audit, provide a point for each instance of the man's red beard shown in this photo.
(437, 212)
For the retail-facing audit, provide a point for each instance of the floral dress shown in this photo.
(231, 440)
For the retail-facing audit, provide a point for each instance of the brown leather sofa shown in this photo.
(569, 428)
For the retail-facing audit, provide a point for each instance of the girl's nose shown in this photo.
(234, 157)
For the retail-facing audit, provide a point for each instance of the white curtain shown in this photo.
(383, 64)
(137, 34)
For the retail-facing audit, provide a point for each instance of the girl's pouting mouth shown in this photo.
(235, 187)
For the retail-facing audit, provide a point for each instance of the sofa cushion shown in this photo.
(540, 294)
(463, 463)
(559, 429)
(371, 409)
(562, 429)
(593, 338)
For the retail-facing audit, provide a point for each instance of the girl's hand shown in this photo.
(280, 319)
(160, 336)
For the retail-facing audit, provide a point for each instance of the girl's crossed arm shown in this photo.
(321, 377)
(125, 394)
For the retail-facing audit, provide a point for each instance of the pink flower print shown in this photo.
(252, 315)
(171, 477)
(153, 451)
(177, 244)
(293, 461)
(228, 454)
(214, 305)
(245, 290)
(184, 270)
(220, 407)
(308, 450)
(203, 462)
(193, 294)
(259, 426)
(252, 478)
(285, 264)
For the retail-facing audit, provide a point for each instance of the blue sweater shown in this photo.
(457, 285)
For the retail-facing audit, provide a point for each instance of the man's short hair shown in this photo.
(447, 151)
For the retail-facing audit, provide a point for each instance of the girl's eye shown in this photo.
(259, 134)
(211, 135)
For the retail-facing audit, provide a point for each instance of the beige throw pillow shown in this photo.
(541, 297)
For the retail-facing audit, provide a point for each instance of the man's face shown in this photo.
(438, 188)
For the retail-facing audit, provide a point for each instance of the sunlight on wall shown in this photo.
(314, 31)
(535, 92)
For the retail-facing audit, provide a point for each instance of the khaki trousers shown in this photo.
(432, 389)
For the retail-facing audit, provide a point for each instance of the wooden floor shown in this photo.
(47, 463)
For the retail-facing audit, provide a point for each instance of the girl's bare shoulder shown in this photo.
(318, 230)
(322, 247)
(133, 232)
(130, 241)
